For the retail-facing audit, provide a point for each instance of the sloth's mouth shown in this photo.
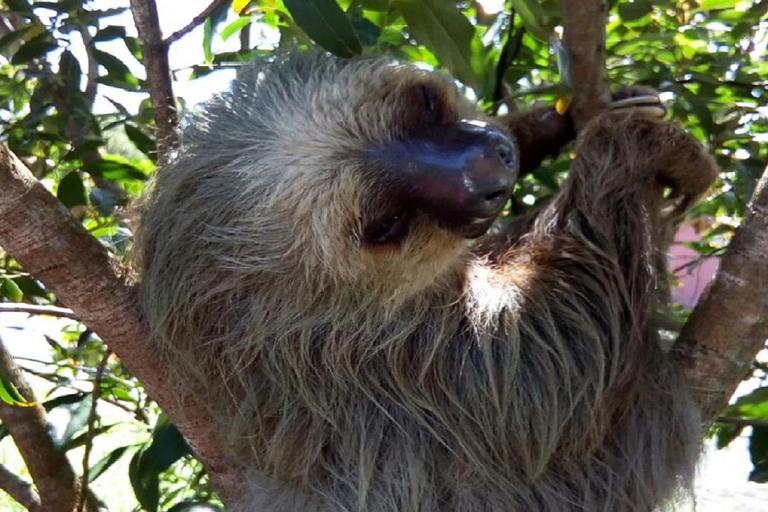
(392, 229)
(477, 227)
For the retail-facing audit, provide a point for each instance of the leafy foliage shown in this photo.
(58, 58)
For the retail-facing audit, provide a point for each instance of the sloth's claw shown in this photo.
(646, 104)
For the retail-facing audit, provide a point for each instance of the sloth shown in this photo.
(316, 261)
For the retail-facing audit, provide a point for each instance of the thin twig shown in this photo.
(96, 394)
(32, 309)
(743, 422)
(158, 70)
(196, 21)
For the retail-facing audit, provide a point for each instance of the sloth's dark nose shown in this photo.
(460, 174)
(490, 177)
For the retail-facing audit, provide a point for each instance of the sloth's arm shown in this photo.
(632, 174)
(540, 133)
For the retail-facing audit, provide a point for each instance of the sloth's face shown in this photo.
(379, 172)
(438, 176)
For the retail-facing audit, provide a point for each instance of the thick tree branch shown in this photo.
(584, 39)
(20, 490)
(50, 470)
(729, 326)
(39, 232)
(158, 76)
(196, 21)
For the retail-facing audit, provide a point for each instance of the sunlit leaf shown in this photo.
(235, 27)
(708, 5)
(9, 393)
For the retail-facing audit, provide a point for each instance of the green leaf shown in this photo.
(141, 140)
(367, 31)
(710, 5)
(208, 40)
(70, 72)
(30, 287)
(107, 461)
(725, 433)
(72, 398)
(114, 66)
(14, 36)
(71, 190)
(441, 27)
(19, 6)
(79, 151)
(235, 27)
(167, 446)
(145, 481)
(326, 24)
(758, 453)
(34, 48)
(532, 16)
(631, 11)
(78, 420)
(109, 33)
(10, 394)
(10, 290)
(113, 169)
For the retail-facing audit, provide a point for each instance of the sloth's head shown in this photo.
(358, 172)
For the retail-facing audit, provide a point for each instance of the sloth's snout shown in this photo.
(460, 174)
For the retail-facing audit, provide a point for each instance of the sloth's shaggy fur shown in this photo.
(422, 377)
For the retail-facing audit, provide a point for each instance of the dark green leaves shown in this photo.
(326, 24)
(71, 190)
(442, 28)
(167, 446)
(35, 48)
(758, 453)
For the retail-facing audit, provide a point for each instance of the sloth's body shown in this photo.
(305, 261)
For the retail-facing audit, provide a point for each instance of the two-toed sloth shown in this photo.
(307, 265)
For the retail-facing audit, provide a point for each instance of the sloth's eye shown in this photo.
(429, 99)
(387, 230)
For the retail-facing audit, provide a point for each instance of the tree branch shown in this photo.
(158, 76)
(729, 326)
(584, 40)
(53, 246)
(19, 307)
(50, 470)
(20, 490)
(742, 422)
(196, 21)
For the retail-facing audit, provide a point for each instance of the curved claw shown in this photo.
(647, 105)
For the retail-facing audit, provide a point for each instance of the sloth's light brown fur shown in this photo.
(421, 377)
